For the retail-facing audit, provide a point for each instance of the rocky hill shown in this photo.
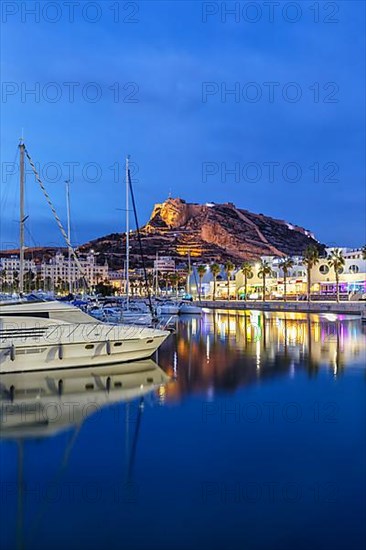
(209, 232)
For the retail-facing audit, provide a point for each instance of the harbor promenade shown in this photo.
(351, 308)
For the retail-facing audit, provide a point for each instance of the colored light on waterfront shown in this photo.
(330, 317)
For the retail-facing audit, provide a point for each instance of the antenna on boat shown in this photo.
(21, 215)
(127, 233)
(188, 282)
(156, 281)
(67, 184)
(140, 243)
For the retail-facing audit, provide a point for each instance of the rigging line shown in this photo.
(132, 457)
(55, 215)
(140, 245)
(31, 236)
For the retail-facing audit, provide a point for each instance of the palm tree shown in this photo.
(174, 281)
(310, 259)
(201, 270)
(264, 270)
(215, 270)
(229, 268)
(150, 282)
(29, 277)
(166, 277)
(59, 284)
(3, 278)
(286, 265)
(39, 281)
(15, 280)
(364, 252)
(247, 271)
(336, 261)
(48, 283)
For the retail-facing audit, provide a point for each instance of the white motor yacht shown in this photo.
(168, 308)
(187, 308)
(46, 335)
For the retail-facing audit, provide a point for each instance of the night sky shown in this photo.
(153, 80)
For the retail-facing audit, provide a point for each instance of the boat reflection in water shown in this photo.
(226, 349)
(43, 403)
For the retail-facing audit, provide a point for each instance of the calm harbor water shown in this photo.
(255, 441)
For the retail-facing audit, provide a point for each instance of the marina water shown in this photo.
(255, 441)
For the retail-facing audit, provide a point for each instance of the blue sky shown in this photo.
(171, 63)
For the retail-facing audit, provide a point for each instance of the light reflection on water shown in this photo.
(237, 347)
(172, 463)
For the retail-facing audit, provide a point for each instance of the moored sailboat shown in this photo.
(49, 334)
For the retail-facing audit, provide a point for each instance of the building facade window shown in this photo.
(324, 269)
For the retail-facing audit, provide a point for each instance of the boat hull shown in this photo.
(35, 344)
(168, 310)
(188, 309)
(51, 336)
(68, 355)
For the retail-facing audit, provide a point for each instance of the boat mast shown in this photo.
(127, 233)
(188, 285)
(156, 274)
(67, 184)
(21, 218)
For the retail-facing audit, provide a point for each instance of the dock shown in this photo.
(347, 308)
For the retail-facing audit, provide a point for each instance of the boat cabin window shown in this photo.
(39, 314)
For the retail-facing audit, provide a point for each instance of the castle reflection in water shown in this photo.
(223, 350)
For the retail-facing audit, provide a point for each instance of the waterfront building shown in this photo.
(56, 270)
(117, 279)
(352, 277)
(207, 283)
(164, 264)
(10, 268)
(54, 273)
(295, 284)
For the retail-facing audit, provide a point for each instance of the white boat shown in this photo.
(45, 335)
(106, 314)
(43, 403)
(135, 317)
(187, 308)
(136, 312)
(363, 315)
(168, 308)
(119, 315)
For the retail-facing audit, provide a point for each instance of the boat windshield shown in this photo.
(47, 310)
